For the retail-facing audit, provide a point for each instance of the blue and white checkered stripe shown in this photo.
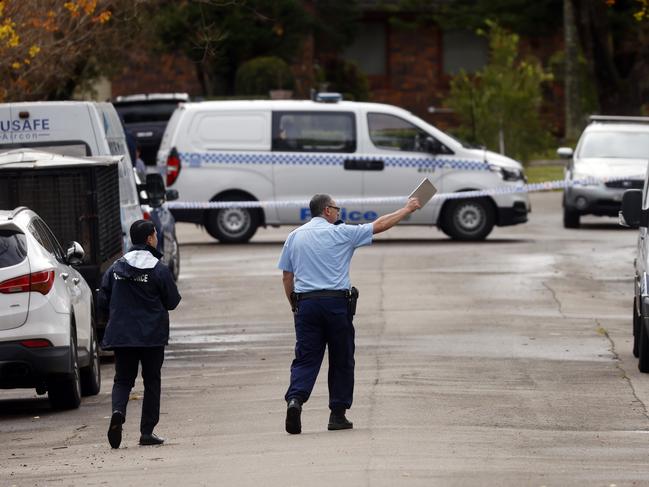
(204, 159)
(511, 189)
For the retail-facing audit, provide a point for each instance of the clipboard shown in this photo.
(424, 192)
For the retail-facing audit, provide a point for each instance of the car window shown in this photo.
(46, 238)
(146, 112)
(615, 145)
(314, 132)
(395, 133)
(13, 247)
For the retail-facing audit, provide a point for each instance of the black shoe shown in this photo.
(293, 413)
(151, 439)
(115, 429)
(338, 421)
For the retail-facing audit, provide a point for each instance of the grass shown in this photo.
(539, 174)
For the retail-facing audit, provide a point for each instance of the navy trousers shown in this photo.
(319, 323)
(126, 365)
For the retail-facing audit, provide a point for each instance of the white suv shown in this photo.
(610, 158)
(47, 338)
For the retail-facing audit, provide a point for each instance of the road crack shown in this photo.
(554, 296)
(618, 364)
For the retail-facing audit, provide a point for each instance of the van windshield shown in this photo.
(615, 145)
(151, 111)
(72, 149)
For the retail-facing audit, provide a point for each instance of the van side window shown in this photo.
(395, 133)
(314, 132)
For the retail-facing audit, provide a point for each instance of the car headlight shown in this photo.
(508, 173)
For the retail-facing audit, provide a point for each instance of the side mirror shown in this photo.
(74, 253)
(632, 214)
(172, 194)
(155, 187)
(565, 152)
(433, 146)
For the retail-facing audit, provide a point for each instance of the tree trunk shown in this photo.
(571, 81)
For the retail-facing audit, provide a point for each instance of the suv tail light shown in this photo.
(146, 215)
(36, 282)
(173, 166)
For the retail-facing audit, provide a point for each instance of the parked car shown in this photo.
(152, 199)
(288, 150)
(145, 118)
(47, 338)
(635, 214)
(609, 147)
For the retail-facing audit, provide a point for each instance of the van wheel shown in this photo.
(91, 375)
(471, 219)
(232, 225)
(65, 392)
(570, 218)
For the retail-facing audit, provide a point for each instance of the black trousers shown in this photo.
(126, 365)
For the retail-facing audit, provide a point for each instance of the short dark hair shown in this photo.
(318, 204)
(140, 231)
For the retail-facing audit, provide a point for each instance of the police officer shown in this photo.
(315, 263)
(137, 291)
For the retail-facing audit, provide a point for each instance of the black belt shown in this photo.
(322, 294)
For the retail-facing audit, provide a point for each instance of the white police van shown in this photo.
(287, 150)
(77, 129)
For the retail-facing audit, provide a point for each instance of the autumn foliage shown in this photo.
(48, 46)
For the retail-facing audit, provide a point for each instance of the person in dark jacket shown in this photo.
(137, 291)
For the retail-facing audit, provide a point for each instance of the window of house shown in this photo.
(314, 132)
(464, 50)
(368, 50)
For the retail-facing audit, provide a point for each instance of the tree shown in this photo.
(499, 105)
(49, 47)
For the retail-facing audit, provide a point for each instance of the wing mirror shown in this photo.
(632, 215)
(74, 254)
(565, 152)
(155, 187)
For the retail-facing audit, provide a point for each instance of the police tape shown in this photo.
(502, 190)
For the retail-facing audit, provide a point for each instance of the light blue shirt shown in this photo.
(319, 253)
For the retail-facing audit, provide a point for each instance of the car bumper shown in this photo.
(594, 200)
(513, 215)
(22, 367)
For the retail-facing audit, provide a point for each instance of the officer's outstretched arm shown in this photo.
(385, 222)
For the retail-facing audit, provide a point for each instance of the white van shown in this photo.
(289, 150)
(78, 129)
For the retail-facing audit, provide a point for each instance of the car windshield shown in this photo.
(146, 112)
(615, 145)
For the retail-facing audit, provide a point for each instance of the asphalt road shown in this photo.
(502, 363)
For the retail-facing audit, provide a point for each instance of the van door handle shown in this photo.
(364, 165)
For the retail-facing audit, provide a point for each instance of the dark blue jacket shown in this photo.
(136, 292)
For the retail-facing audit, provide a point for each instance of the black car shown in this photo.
(145, 118)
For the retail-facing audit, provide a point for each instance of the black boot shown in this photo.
(338, 421)
(293, 413)
(115, 429)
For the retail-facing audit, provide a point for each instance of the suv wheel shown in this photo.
(471, 219)
(232, 225)
(91, 375)
(643, 349)
(65, 392)
(570, 218)
(636, 332)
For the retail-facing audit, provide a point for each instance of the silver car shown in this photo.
(610, 158)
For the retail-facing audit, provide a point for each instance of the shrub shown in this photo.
(260, 75)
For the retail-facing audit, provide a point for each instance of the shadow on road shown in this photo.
(24, 408)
